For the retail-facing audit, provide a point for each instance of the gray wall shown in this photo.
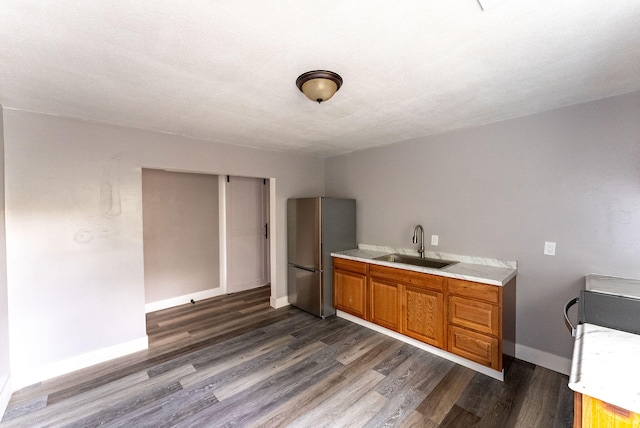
(4, 310)
(74, 226)
(181, 236)
(571, 176)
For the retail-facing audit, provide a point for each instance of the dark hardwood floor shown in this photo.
(234, 361)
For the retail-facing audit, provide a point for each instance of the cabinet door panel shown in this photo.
(479, 316)
(385, 304)
(422, 316)
(476, 347)
(597, 413)
(350, 292)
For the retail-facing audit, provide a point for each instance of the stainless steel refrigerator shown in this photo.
(316, 227)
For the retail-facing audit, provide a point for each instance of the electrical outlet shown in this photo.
(550, 248)
(434, 240)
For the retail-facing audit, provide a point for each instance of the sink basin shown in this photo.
(415, 261)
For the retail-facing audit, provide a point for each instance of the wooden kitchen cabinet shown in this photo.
(590, 412)
(475, 322)
(462, 317)
(350, 287)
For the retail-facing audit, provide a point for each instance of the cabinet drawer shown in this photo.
(408, 277)
(350, 265)
(475, 290)
(479, 316)
(476, 347)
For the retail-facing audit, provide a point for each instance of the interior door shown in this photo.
(245, 214)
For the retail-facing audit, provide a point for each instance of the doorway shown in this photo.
(204, 235)
(247, 233)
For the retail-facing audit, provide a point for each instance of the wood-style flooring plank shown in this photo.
(243, 408)
(169, 411)
(117, 408)
(564, 408)
(508, 399)
(70, 411)
(319, 396)
(233, 360)
(230, 389)
(311, 398)
(539, 406)
(335, 405)
(418, 420)
(361, 410)
(459, 417)
(444, 396)
(25, 407)
(401, 355)
(407, 386)
(479, 395)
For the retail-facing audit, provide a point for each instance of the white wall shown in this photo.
(571, 175)
(5, 388)
(75, 276)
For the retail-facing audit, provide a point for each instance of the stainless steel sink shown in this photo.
(415, 261)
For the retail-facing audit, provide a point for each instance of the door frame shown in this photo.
(275, 302)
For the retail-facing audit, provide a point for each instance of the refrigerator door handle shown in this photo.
(305, 268)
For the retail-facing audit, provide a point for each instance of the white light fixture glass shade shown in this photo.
(319, 85)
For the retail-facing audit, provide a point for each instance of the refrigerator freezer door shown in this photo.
(303, 232)
(304, 289)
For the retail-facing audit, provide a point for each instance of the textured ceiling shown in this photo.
(226, 70)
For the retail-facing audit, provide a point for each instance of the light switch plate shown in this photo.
(550, 248)
(434, 240)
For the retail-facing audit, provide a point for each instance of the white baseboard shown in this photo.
(499, 375)
(544, 359)
(38, 374)
(5, 395)
(279, 302)
(181, 300)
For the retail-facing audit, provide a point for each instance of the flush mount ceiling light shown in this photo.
(319, 85)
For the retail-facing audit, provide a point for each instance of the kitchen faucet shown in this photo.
(415, 239)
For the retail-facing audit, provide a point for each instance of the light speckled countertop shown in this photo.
(604, 366)
(604, 363)
(486, 271)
